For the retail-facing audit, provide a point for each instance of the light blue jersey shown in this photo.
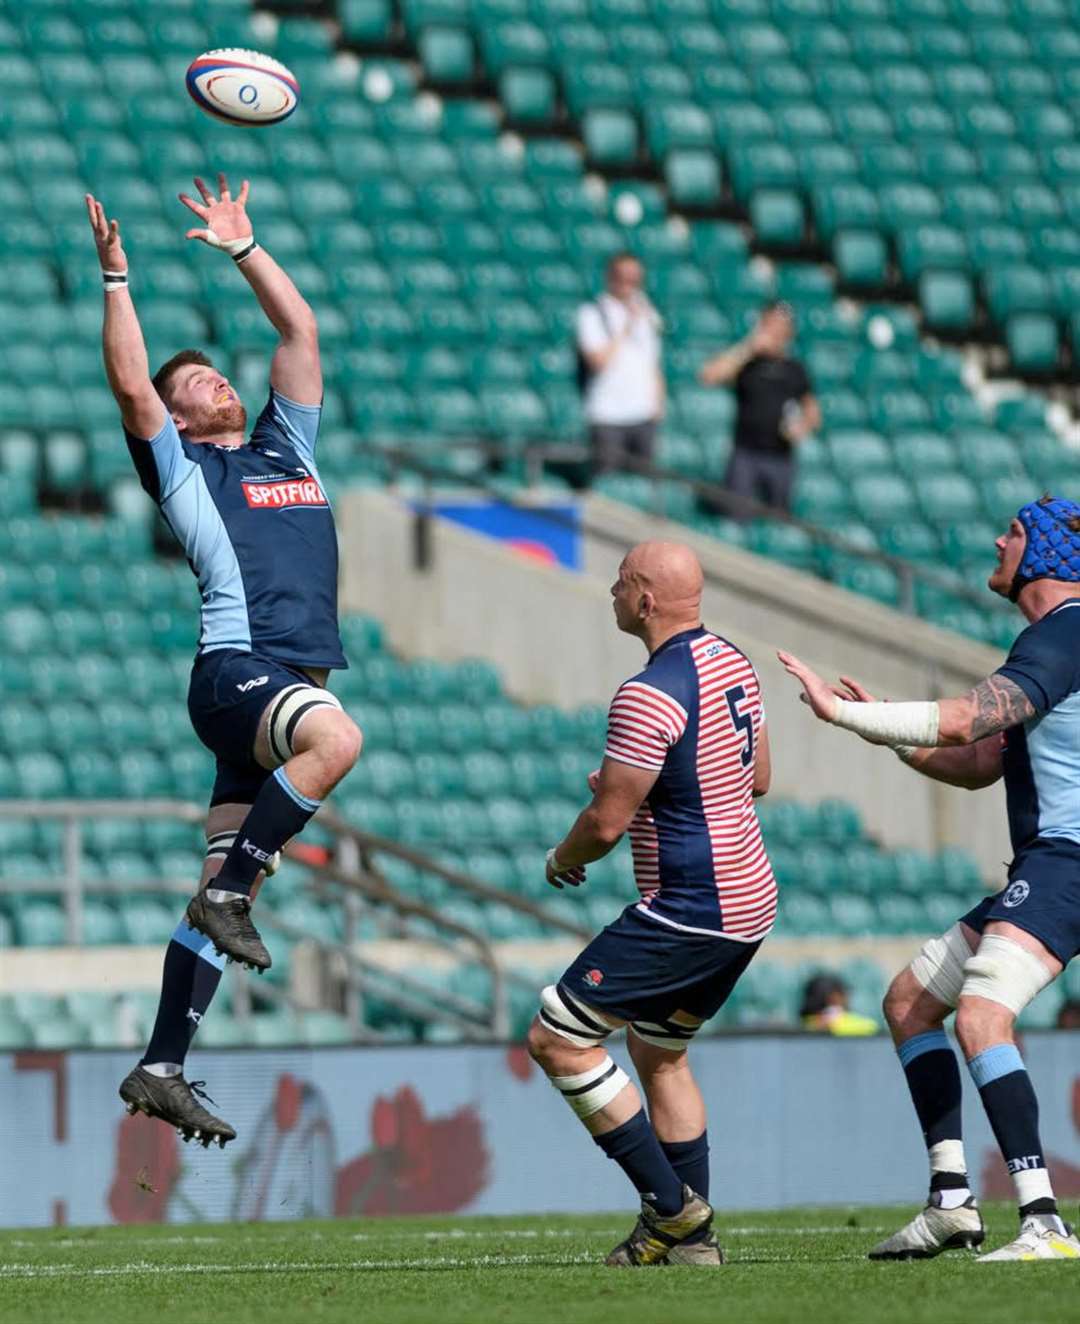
(258, 532)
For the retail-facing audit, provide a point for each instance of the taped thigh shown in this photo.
(288, 708)
(667, 1034)
(1004, 972)
(565, 1015)
(939, 966)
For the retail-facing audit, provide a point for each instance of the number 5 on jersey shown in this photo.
(742, 722)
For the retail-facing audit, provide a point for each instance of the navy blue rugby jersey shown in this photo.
(1042, 756)
(258, 532)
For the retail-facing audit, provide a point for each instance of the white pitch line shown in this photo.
(284, 1266)
(61, 1271)
(404, 1234)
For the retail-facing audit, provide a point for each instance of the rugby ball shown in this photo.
(242, 87)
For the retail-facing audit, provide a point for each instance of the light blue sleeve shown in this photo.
(160, 462)
(297, 425)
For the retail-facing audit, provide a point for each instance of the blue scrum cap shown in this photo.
(1052, 525)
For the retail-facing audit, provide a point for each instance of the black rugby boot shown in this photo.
(228, 926)
(172, 1099)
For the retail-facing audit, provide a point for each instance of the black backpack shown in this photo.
(584, 374)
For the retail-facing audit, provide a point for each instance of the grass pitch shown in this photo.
(803, 1264)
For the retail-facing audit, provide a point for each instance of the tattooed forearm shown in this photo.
(995, 704)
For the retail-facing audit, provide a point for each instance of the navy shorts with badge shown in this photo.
(639, 969)
(227, 696)
(1042, 897)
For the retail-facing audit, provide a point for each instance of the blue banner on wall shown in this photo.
(550, 533)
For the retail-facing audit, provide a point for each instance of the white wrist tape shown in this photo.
(114, 280)
(890, 723)
(237, 249)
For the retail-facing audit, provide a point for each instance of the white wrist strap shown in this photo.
(114, 280)
(890, 723)
(237, 249)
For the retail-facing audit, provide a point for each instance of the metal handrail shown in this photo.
(354, 870)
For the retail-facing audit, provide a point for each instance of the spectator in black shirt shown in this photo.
(776, 407)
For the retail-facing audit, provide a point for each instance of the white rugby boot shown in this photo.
(1039, 1239)
(933, 1230)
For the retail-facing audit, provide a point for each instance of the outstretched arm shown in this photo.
(992, 706)
(295, 370)
(122, 344)
(971, 767)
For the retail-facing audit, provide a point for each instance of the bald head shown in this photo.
(658, 591)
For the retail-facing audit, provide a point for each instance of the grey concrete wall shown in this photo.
(551, 633)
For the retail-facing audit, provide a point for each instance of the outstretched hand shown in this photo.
(110, 250)
(816, 692)
(225, 219)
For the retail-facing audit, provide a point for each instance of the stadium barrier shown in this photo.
(358, 1132)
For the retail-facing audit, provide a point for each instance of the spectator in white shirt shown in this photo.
(618, 337)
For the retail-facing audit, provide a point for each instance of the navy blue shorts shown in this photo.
(638, 969)
(227, 696)
(1042, 897)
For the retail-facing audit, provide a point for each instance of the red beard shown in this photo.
(216, 420)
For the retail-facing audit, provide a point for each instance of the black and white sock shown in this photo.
(933, 1077)
(278, 814)
(1013, 1111)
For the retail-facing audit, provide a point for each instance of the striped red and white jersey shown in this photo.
(694, 715)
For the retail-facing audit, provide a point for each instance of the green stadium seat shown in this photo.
(610, 136)
(821, 498)
(996, 245)
(676, 124)
(932, 247)
(777, 217)
(1016, 289)
(1032, 342)
(844, 205)
(861, 259)
(365, 21)
(529, 95)
(947, 498)
(947, 300)
(882, 498)
(693, 178)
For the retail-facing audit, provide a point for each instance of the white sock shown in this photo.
(948, 1156)
(163, 1068)
(1032, 1184)
(218, 894)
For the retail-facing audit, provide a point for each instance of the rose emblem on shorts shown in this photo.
(1016, 893)
(594, 978)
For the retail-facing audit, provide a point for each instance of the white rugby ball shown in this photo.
(242, 87)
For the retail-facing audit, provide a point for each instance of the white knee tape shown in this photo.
(591, 1090)
(288, 709)
(939, 966)
(1003, 971)
(563, 1014)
